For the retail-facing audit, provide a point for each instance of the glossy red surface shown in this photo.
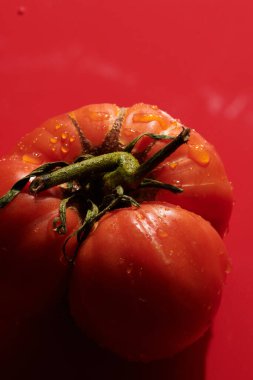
(192, 58)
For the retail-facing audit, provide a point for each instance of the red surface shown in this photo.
(191, 58)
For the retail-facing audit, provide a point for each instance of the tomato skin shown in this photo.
(33, 271)
(147, 282)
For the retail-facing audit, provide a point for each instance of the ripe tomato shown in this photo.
(132, 291)
(147, 281)
(195, 167)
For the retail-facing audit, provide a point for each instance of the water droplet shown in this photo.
(65, 148)
(199, 154)
(53, 140)
(72, 138)
(142, 117)
(58, 126)
(173, 164)
(32, 158)
(99, 116)
(177, 182)
(53, 148)
(65, 135)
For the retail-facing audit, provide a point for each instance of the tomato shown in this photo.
(147, 281)
(195, 167)
(72, 223)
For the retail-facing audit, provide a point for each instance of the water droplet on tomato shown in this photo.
(33, 158)
(142, 117)
(65, 148)
(199, 154)
(173, 164)
(99, 116)
(64, 135)
(72, 138)
(53, 140)
(58, 126)
(177, 182)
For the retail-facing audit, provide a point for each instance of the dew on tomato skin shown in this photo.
(199, 154)
(65, 148)
(53, 140)
(72, 138)
(58, 126)
(173, 164)
(142, 117)
(64, 135)
(32, 158)
(99, 116)
(177, 182)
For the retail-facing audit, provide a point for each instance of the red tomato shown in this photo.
(195, 167)
(147, 281)
(163, 264)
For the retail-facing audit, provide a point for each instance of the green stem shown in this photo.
(116, 169)
(122, 164)
(159, 157)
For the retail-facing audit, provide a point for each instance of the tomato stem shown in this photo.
(116, 169)
(122, 165)
(159, 157)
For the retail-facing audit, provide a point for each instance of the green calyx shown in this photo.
(97, 184)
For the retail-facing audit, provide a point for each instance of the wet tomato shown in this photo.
(124, 209)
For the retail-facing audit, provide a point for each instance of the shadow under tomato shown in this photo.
(53, 348)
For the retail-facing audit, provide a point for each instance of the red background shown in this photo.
(192, 58)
